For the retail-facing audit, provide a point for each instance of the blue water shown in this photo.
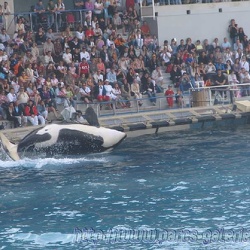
(191, 188)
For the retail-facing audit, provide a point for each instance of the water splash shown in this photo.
(45, 162)
(45, 239)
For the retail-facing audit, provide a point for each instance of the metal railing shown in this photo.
(179, 2)
(216, 95)
(194, 97)
(33, 20)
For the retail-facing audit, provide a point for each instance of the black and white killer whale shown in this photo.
(64, 139)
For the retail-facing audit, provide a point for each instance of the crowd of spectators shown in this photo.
(112, 58)
(212, 64)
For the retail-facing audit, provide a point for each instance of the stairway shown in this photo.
(167, 82)
(166, 78)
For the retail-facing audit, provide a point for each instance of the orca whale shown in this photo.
(64, 139)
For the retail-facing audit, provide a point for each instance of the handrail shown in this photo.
(209, 100)
(34, 12)
(220, 86)
(31, 14)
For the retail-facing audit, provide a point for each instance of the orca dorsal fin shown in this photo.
(91, 117)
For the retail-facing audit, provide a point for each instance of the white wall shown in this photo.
(204, 21)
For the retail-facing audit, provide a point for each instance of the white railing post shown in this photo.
(210, 97)
(153, 7)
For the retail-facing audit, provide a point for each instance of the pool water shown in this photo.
(186, 190)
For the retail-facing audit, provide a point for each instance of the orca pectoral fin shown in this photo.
(9, 148)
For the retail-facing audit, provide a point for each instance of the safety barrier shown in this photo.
(216, 95)
(60, 19)
(194, 97)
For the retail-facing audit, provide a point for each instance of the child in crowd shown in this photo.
(170, 96)
(179, 99)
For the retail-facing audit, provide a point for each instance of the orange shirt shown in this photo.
(119, 41)
(15, 68)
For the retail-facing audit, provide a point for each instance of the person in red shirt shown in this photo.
(145, 30)
(89, 32)
(170, 96)
(130, 3)
(30, 112)
(84, 68)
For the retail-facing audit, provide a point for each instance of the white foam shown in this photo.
(101, 198)
(10, 164)
(120, 203)
(219, 218)
(141, 180)
(134, 201)
(70, 214)
(178, 188)
(182, 183)
(45, 239)
(201, 219)
(42, 162)
(11, 230)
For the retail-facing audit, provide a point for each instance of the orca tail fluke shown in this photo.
(9, 148)
(91, 117)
